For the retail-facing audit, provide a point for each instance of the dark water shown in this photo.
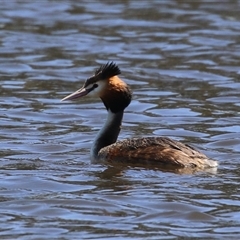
(182, 62)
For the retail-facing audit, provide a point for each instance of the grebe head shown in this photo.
(105, 84)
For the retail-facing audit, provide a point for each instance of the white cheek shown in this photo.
(93, 93)
(96, 92)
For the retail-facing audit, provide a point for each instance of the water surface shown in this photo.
(182, 63)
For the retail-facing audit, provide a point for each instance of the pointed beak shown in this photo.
(78, 94)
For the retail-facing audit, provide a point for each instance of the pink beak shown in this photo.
(78, 94)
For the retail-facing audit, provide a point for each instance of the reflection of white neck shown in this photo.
(108, 134)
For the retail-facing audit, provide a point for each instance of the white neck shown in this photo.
(108, 134)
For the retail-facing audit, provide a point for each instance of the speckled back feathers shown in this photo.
(156, 151)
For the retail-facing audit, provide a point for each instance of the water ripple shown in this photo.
(182, 63)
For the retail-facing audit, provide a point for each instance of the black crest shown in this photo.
(108, 70)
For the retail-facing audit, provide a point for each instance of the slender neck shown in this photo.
(108, 134)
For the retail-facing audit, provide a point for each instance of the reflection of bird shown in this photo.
(116, 96)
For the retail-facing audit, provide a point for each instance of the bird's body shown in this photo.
(162, 151)
(116, 96)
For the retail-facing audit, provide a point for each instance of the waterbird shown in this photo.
(160, 151)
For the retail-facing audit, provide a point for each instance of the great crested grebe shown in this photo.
(116, 96)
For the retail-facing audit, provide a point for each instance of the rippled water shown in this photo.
(182, 61)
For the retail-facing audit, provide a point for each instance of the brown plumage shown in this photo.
(158, 151)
